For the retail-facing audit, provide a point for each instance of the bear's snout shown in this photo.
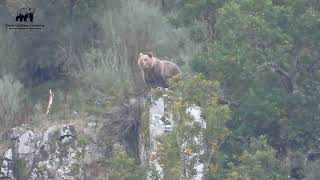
(144, 65)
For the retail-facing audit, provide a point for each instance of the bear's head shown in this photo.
(146, 61)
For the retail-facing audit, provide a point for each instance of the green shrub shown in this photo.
(83, 139)
(258, 162)
(121, 166)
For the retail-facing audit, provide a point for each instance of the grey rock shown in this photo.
(92, 124)
(6, 169)
(67, 133)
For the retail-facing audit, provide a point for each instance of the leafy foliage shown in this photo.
(191, 139)
(262, 63)
(262, 54)
(258, 162)
(179, 151)
(121, 166)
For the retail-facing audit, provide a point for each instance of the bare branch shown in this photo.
(51, 96)
(285, 76)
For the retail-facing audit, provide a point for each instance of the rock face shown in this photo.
(157, 128)
(160, 123)
(195, 112)
(56, 153)
(73, 151)
(6, 170)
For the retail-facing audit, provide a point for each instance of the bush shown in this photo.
(121, 166)
(11, 101)
(258, 162)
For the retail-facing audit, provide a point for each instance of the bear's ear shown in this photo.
(150, 54)
(140, 54)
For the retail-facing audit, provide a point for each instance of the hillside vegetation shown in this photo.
(252, 66)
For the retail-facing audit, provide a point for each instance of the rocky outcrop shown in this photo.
(6, 170)
(59, 152)
(77, 150)
(160, 123)
(55, 153)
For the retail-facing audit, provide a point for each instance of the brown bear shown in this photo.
(155, 72)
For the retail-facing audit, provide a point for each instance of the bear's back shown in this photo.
(170, 69)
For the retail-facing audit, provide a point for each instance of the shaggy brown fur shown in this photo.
(155, 72)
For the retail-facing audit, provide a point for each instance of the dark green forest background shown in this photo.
(262, 57)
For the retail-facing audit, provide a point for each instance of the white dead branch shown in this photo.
(51, 96)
